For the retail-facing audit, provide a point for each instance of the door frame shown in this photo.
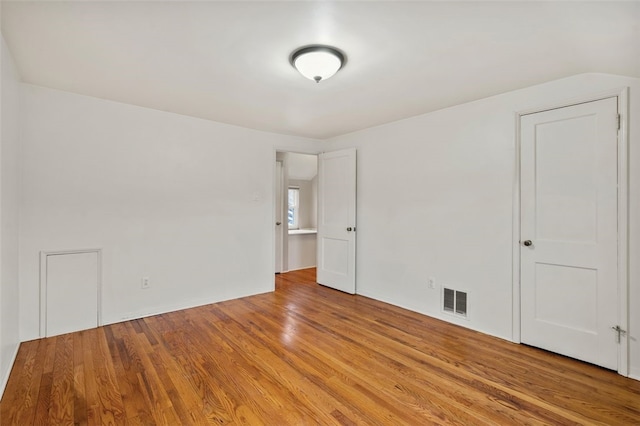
(279, 188)
(44, 254)
(622, 93)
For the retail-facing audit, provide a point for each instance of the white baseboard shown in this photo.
(462, 322)
(159, 310)
(5, 375)
(301, 268)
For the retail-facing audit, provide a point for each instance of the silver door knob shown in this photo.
(527, 243)
(278, 223)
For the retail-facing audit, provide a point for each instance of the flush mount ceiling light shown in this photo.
(317, 62)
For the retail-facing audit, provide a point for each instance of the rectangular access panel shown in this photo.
(70, 294)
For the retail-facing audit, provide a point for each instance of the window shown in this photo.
(294, 207)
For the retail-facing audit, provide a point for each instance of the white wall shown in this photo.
(184, 201)
(302, 251)
(9, 293)
(435, 199)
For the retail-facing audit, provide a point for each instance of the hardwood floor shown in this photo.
(304, 354)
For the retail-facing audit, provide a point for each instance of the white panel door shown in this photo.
(337, 220)
(71, 292)
(569, 231)
(279, 226)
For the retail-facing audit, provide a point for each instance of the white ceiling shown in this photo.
(228, 61)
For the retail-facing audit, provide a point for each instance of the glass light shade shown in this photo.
(317, 63)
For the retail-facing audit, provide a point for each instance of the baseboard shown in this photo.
(301, 268)
(159, 310)
(464, 323)
(5, 376)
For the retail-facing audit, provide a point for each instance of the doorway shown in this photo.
(571, 271)
(296, 237)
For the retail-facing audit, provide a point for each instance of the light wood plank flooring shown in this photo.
(304, 355)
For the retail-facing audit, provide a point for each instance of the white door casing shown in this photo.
(279, 219)
(337, 220)
(70, 291)
(569, 212)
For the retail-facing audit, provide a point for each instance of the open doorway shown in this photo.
(296, 211)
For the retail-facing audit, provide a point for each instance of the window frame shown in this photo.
(293, 223)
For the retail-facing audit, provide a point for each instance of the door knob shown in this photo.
(527, 243)
(349, 229)
(278, 223)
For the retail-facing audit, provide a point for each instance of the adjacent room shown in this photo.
(319, 212)
(296, 204)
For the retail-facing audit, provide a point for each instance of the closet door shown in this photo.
(569, 231)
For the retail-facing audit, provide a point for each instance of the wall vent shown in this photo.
(454, 302)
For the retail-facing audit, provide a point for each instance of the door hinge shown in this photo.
(619, 332)
(619, 121)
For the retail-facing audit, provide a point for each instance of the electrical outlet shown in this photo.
(145, 282)
(431, 282)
